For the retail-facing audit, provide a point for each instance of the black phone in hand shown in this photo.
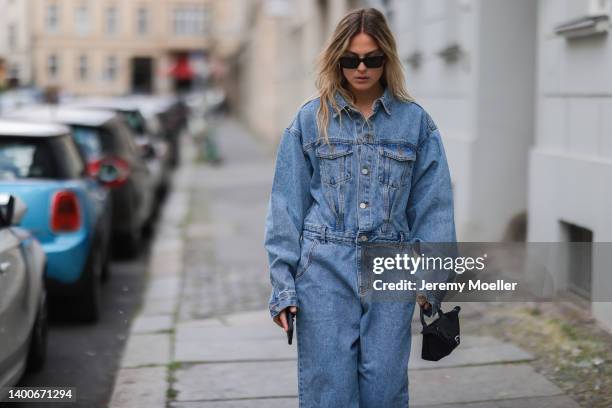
(290, 318)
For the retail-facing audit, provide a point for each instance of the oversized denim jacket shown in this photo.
(381, 179)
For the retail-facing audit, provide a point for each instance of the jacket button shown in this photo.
(363, 238)
(365, 171)
(363, 205)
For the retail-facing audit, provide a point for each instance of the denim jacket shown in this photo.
(381, 179)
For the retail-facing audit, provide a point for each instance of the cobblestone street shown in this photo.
(225, 262)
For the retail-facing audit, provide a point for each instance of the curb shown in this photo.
(144, 375)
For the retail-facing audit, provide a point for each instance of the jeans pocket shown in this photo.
(335, 161)
(306, 256)
(395, 163)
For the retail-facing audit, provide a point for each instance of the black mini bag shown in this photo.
(441, 336)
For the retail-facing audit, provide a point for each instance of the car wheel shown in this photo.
(106, 272)
(132, 243)
(162, 192)
(149, 225)
(90, 299)
(37, 354)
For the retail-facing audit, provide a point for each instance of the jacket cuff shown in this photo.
(435, 304)
(282, 300)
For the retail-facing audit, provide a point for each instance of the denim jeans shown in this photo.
(352, 351)
(384, 179)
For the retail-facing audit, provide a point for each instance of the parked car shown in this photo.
(152, 113)
(153, 145)
(23, 305)
(69, 211)
(112, 156)
(173, 116)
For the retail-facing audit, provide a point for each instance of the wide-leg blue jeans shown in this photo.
(352, 351)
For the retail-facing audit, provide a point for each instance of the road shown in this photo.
(87, 356)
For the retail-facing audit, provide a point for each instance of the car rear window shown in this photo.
(67, 155)
(135, 121)
(47, 158)
(89, 142)
(20, 160)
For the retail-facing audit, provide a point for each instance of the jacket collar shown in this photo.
(385, 100)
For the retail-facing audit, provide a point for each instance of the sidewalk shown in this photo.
(204, 338)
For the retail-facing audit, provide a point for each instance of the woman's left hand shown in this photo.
(422, 301)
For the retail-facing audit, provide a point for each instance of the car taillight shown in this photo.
(93, 168)
(110, 171)
(65, 212)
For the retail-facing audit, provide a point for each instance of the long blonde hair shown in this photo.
(329, 74)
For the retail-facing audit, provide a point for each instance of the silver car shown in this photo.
(152, 144)
(23, 305)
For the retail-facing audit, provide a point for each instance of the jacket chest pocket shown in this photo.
(395, 163)
(335, 161)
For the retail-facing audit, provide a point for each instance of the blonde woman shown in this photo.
(360, 163)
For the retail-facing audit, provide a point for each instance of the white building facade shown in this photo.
(15, 42)
(570, 192)
(522, 93)
(471, 64)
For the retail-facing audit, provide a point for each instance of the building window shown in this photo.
(190, 21)
(180, 20)
(52, 18)
(110, 71)
(83, 67)
(112, 23)
(14, 73)
(81, 19)
(142, 23)
(12, 37)
(53, 66)
(579, 253)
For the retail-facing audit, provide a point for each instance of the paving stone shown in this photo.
(543, 402)
(257, 317)
(249, 403)
(502, 353)
(152, 324)
(201, 323)
(156, 307)
(163, 288)
(235, 177)
(146, 349)
(237, 380)
(166, 245)
(169, 266)
(234, 350)
(140, 388)
(475, 384)
(223, 332)
(206, 230)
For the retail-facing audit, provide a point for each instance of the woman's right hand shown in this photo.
(281, 318)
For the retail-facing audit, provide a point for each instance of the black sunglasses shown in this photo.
(375, 61)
